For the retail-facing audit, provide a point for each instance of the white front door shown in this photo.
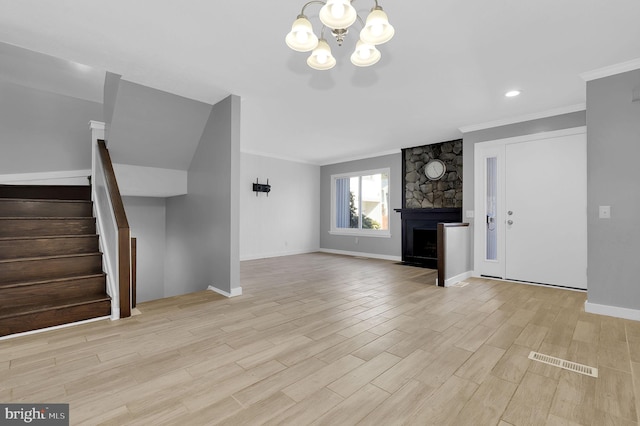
(543, 207)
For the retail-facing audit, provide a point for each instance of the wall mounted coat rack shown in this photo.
(261, 187)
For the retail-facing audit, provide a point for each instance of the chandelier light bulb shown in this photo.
(337, 11)
(365, 55)
(321, 58)
(338, 14)
(377, 29)
(301, 37)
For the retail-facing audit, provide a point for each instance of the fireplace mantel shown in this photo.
(419, 226)
(429, 211)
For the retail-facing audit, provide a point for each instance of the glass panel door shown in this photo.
(491, 206)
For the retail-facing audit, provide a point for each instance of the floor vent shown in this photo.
(563, 363)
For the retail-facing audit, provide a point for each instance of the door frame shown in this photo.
(479, 188)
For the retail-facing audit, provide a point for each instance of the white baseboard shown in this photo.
(277, 254)
(612, 311)
(460, 277)
(360, 254)
(56, 327)
(236, 291)
(65, 177)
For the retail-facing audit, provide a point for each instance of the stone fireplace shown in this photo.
(425, 203)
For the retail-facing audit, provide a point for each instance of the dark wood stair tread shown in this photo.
(47, 218)
(49, 267)
(45, 200)
(61, 304)
(45, 237)
(21, 246)
(52, 280)
(52, 192)
(59, 256)
(41, 226)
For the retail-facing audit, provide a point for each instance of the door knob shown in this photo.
(509, 222)
(509, 212)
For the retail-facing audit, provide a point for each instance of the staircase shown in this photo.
(50, 263)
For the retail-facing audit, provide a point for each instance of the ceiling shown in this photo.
(448, 65)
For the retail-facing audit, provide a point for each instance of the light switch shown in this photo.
(605, 212)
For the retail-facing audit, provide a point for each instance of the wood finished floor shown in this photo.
(330, 340)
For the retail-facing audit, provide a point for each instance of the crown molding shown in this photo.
(527, 117)
(631, 65)
(326, 162)
(276, 157)
(361, 157)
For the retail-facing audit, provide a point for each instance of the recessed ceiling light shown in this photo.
(512, 93)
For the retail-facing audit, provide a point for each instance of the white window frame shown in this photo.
(380, 233)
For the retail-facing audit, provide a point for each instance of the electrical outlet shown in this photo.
(605, 212)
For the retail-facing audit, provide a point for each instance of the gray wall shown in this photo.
(547, 124)
(153, 128)
(202, 229)
(285, 222)
(613, 176)
(43, 131)
(373, 245)
(147, 221)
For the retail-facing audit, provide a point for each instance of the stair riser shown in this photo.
(41, 294)
(46, 269)
(16, 249)
(36, 227)
(53, 317)
(52, 192)
(32, 208)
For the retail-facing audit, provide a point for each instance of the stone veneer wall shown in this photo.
(421, 192)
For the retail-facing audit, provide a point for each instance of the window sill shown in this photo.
(359, 233)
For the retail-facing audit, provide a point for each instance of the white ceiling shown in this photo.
(448, 65)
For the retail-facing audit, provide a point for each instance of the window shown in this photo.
(360, 203)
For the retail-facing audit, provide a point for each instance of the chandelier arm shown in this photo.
(312, 2)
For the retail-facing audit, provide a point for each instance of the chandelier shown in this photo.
(338, 16)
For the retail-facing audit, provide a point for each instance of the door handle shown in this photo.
(509, 222)
(509, 212)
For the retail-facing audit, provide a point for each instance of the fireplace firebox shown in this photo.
(419, 234)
